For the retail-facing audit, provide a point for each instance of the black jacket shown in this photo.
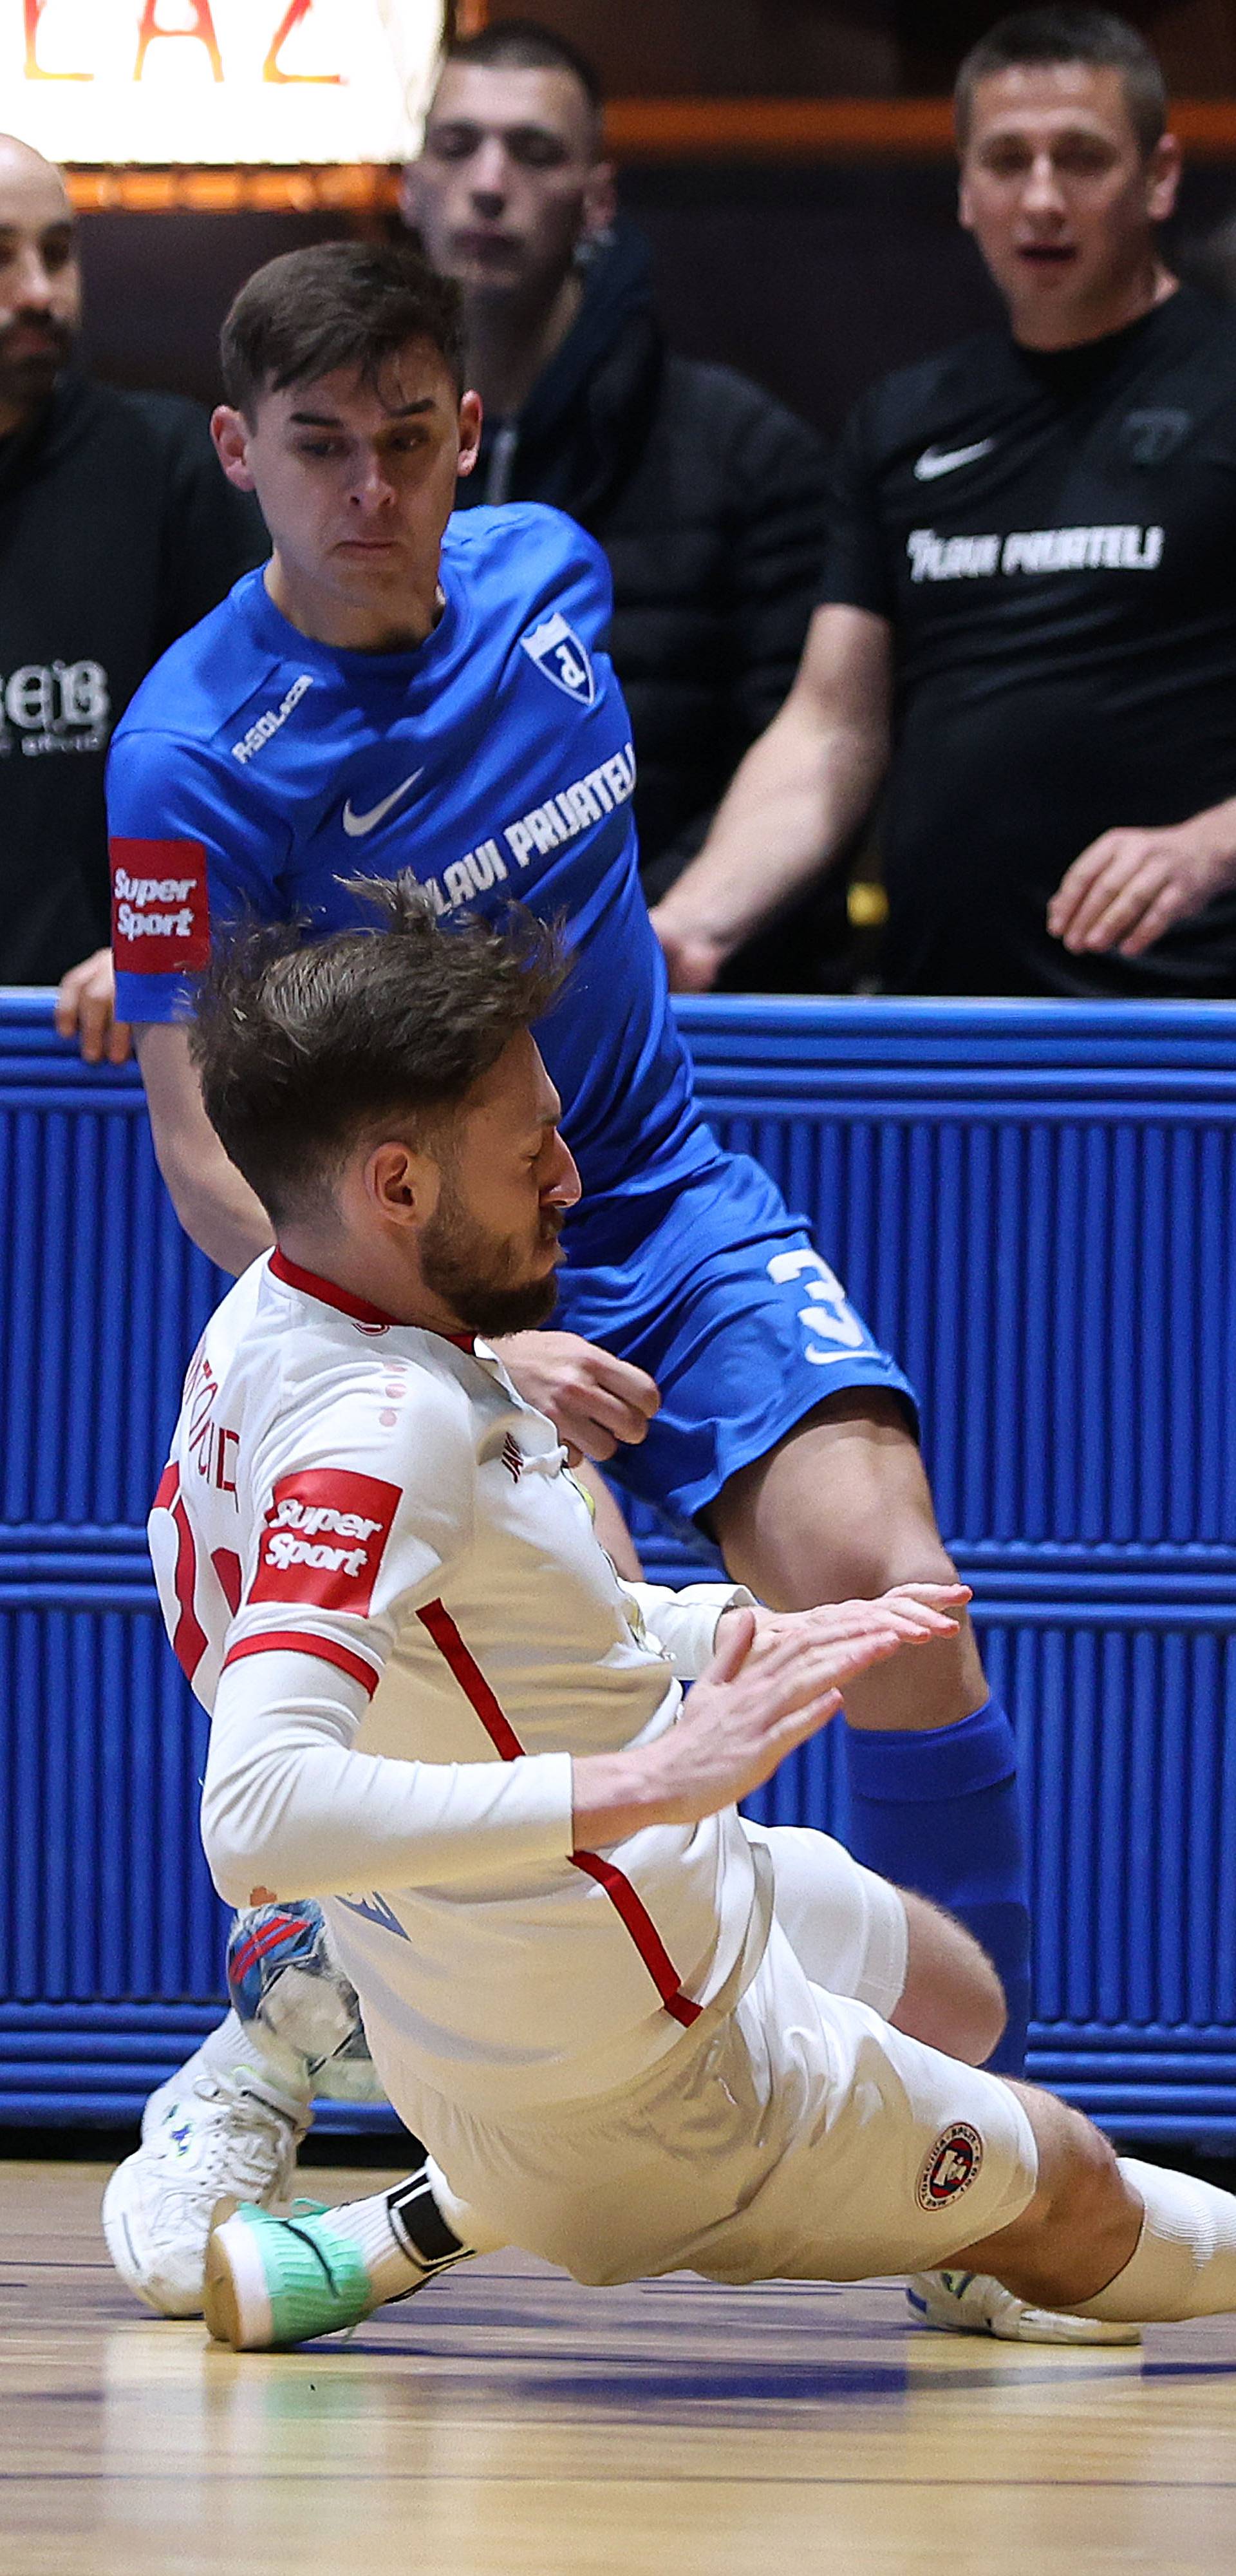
(708, 498)
(117, 531)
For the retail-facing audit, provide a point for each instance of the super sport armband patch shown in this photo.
(160, 906)
(324, 1537)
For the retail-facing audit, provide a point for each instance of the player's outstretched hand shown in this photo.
(595, 1400)
(915, 1612)
(1131, 886)
(744, 1715)
(86, 1009)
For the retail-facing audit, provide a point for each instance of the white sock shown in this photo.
(406, 2234)
(1184, 2262)
(464, 2222)
(279, 2073)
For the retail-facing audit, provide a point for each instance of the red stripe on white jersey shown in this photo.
(228, 1568)
(471, 1679)
(294, 1641)
(189, 1640)
(643, 1931)
(627, 1904)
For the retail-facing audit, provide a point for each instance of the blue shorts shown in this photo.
(716, 1290)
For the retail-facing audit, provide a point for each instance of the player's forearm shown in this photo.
(288, 1805)
(217, 1209)
(615, 1795)
(215, 1205)
(802, 792)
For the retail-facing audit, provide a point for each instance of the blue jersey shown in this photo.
(257, 771)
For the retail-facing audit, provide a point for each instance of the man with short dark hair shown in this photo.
(404, 686)
(707, 495)
(635, 2033)
(1028, 628)
(117, 531)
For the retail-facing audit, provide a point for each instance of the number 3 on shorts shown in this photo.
(828, 1316)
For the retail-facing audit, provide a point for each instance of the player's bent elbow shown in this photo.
(236, 1870)
(241, 1854)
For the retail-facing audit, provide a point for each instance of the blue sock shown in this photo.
(938, 1812)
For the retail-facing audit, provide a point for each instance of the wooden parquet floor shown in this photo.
(508, 2423)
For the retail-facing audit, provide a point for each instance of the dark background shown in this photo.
(812, 279)
(855, 48)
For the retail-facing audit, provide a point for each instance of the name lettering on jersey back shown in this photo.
(160, 906)
(212, 1447)
(543, 829)
(1033, 550)
(266, 726)
(323, 1538)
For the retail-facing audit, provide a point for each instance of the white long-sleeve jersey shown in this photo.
(384, 1586)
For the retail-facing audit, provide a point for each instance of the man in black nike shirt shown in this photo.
(117, 531)
(1028, 635)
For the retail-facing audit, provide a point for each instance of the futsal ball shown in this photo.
(282, 1970)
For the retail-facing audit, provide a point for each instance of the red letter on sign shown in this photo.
(34, 68)
(202, 32)
(291, 19)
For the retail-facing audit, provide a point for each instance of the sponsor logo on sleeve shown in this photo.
(271, 721)
(160, 906)
(953, 2164)
(323, 1539)
(559, 656)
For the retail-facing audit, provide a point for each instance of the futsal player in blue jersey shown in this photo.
(403, 689)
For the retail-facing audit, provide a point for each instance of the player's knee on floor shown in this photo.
(952, 1997)
(1074, 2237)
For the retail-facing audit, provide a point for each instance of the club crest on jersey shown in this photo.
(558, 654)
(951, 2167)
(323, 1538)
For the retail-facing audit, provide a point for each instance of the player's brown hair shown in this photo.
(524, 45)
(336, 304)
(305, 1044)
(1096, 37)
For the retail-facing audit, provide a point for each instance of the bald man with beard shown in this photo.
(117, 531)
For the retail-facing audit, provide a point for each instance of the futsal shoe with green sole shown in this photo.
(972, 2303)
(273, 2282)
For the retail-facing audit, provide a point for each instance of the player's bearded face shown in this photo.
(496, 1283)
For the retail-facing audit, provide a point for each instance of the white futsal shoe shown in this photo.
(207, 2132)
(972, 2303)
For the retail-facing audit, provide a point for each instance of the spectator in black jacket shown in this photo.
(707, 495)
(117, 531)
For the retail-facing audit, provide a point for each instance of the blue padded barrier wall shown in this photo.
(1034, 1207)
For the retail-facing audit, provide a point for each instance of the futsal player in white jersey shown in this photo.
(635, 2034)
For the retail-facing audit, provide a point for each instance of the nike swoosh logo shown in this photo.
(356, 825)
(945, 460)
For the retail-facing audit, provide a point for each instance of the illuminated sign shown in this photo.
(167, 81)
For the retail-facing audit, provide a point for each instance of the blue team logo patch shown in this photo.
(558, 654)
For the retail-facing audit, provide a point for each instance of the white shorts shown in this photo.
(796, 2136)
(846, 1927)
